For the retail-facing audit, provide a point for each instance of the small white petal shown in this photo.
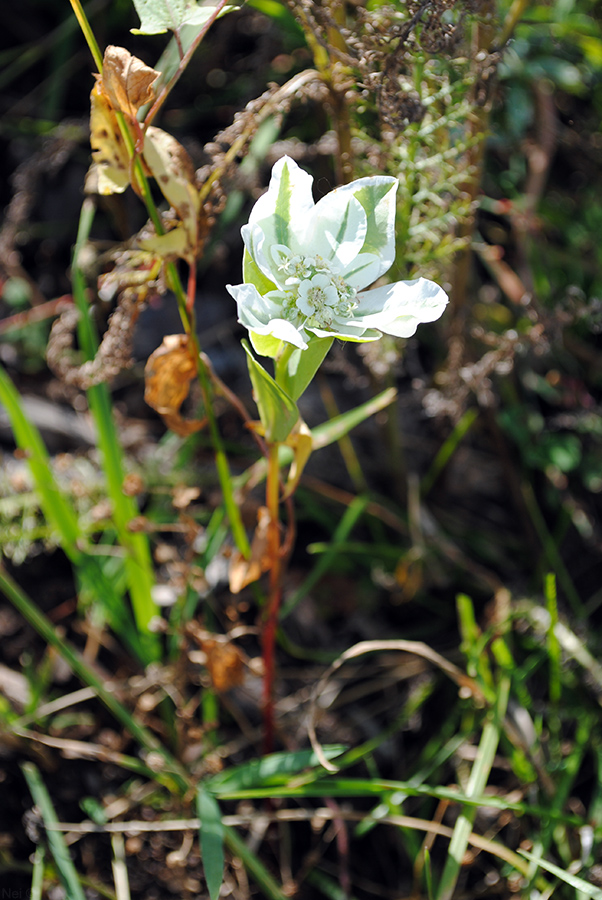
(347, 333)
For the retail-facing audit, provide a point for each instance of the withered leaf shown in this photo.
(110, 169)
(225, 664)
(243, 571)
(301, 441)
(168, 373)
(128, 83)
(173, 243)
(172, 169)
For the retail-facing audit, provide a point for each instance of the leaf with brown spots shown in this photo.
(168, 373)
(110, 169)
(172, 169)
(128, 83)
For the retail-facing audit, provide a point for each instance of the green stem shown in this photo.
(87, 32)
(138, 560)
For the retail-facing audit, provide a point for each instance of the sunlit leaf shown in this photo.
(110, 169)
(172, 169)
(128, 83)
(159, 16)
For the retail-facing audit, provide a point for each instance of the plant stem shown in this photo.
(275, 596)
(88, 33)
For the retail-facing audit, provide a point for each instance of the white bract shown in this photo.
(307, 265)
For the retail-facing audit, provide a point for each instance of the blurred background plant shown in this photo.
(482, 479)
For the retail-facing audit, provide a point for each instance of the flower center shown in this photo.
(312, 292)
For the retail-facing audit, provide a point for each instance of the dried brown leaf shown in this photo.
(128, 82)
(225, 664)
(168, 374)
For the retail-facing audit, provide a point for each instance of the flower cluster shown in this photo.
(307, 264)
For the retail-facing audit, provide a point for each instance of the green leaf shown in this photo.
(278, 413)
(578, 883)
(273, 769)
(56, 841)
(212, 840)
(298, 367)
(159, 16)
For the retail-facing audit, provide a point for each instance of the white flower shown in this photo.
(307, 264)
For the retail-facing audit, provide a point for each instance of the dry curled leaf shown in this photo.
(243, 571)
(224, 663)
(128, 83)
(168, 374)
(110, 169)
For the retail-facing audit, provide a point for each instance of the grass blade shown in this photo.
(37, 877)
(172, 774)
(212, 840)
(56, 842)
(353, 512)
(273, 769)
(476, 785)
(253, 865)
(120, 872)
(138, 561)
(578, 883)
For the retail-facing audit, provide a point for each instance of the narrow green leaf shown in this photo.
(428, 875)
(578, 883)
(254, 866)
(57, 511)
(212, 840)
(278, 413)
(273, 769)
(353, 512)
(334, 429)
(56, 842)
(37, 876)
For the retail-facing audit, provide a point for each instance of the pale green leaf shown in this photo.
(159, 16)
(212, 840)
